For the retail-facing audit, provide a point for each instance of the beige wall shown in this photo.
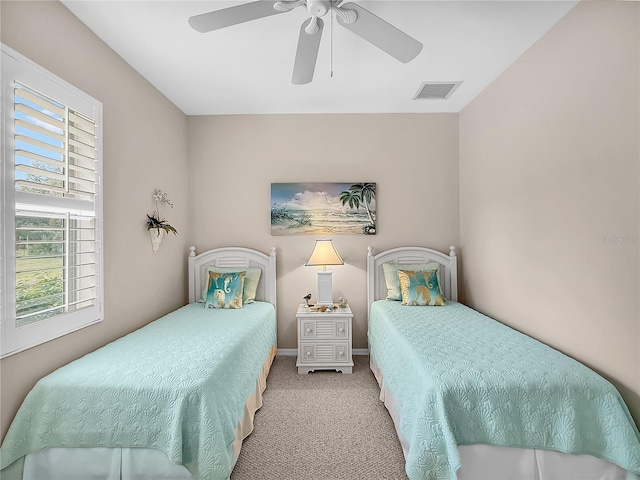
(413, 159)
(144, 149)
(548, 167)
(549, 202)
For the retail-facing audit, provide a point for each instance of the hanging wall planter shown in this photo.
(156, 226)
(156, 235)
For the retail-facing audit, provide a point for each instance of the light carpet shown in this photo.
(321, 426)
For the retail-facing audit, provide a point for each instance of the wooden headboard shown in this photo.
(233, 257)
(376, 286)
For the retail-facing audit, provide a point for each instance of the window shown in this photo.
(51, 206)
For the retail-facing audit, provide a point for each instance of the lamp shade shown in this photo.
(324, 253)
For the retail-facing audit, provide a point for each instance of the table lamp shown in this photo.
(324, 253)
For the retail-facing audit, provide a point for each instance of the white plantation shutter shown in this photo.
(52, 211)
(54, 150)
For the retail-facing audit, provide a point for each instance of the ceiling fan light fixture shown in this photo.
(351, 16)
(318, 8)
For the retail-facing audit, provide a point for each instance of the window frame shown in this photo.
(13, 339)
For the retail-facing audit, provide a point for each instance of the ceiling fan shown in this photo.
(349, 15)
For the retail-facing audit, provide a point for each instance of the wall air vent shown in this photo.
(436, 90)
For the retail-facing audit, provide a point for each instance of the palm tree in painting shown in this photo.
(361, 194)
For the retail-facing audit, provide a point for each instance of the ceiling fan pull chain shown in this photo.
(331, 44)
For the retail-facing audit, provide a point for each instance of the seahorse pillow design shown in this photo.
(420, 288)
(391, 275)
(225, 290)
(251, 280)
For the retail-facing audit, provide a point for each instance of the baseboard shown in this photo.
(287, 352)
(292, 352)
(360, 351)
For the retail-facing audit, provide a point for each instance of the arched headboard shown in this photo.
(376, 286)
(233, 257)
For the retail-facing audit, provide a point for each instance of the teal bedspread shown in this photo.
(459, 378)
(178, 384)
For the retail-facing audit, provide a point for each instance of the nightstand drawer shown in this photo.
(324, 340)
(324, 352)
(324, 329)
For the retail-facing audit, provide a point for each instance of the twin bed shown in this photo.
(473, 399)
(470, 398)
(172, 400)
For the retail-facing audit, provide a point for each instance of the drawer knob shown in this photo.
(340, 353)
(341, 329)
(308, 330)
(308, 354)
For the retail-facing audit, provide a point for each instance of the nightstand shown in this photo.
(324, 340)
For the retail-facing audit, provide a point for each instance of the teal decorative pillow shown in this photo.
(225, 290)
(391, 276)
(251, 280)
(420, 288)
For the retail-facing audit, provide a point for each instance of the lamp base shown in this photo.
(324, 288)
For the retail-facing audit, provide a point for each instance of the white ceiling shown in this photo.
(246, 68)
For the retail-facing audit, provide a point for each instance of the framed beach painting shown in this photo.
(323, 208)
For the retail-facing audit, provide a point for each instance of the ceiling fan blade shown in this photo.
(381, 34)
(233, 15)
(307, 53)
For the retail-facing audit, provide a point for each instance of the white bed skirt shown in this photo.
(102, 464)
(98, 463)
(482, 462)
